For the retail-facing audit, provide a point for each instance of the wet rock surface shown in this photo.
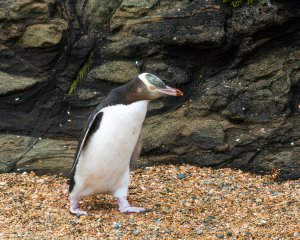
(239, 70)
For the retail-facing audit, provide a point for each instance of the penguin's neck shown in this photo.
(128, 93)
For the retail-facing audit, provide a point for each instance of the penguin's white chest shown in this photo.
(104, 162)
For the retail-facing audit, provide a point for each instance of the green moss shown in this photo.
(238, 3)
(81, 74)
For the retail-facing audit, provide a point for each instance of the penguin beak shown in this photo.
(170, 91)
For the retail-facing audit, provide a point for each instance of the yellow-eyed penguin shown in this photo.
(110, 138)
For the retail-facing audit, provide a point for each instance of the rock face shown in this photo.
(239, 70)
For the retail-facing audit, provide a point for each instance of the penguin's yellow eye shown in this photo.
(151, 88)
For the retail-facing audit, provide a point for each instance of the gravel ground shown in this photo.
(187, 202)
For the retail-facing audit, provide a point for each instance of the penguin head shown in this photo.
(156, 88)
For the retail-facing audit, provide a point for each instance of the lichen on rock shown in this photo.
(114, 71)
(10, 84)
(44, 35)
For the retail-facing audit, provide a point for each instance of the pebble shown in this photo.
(268, 183)
(136, 232)
(181, 176)
(274, 193)
(189, 191)
(118, 225)
(207, 182)
(220, 236)
(209, 219)
(3, 183)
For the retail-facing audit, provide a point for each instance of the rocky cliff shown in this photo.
(239, 69)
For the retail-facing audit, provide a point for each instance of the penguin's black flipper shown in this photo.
(92, 125)
(136, 152)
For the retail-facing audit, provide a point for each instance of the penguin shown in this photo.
(110, 139)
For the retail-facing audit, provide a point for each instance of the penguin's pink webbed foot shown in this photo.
(132, 209)
(78, 212)
(125, 207)
(74, 208)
